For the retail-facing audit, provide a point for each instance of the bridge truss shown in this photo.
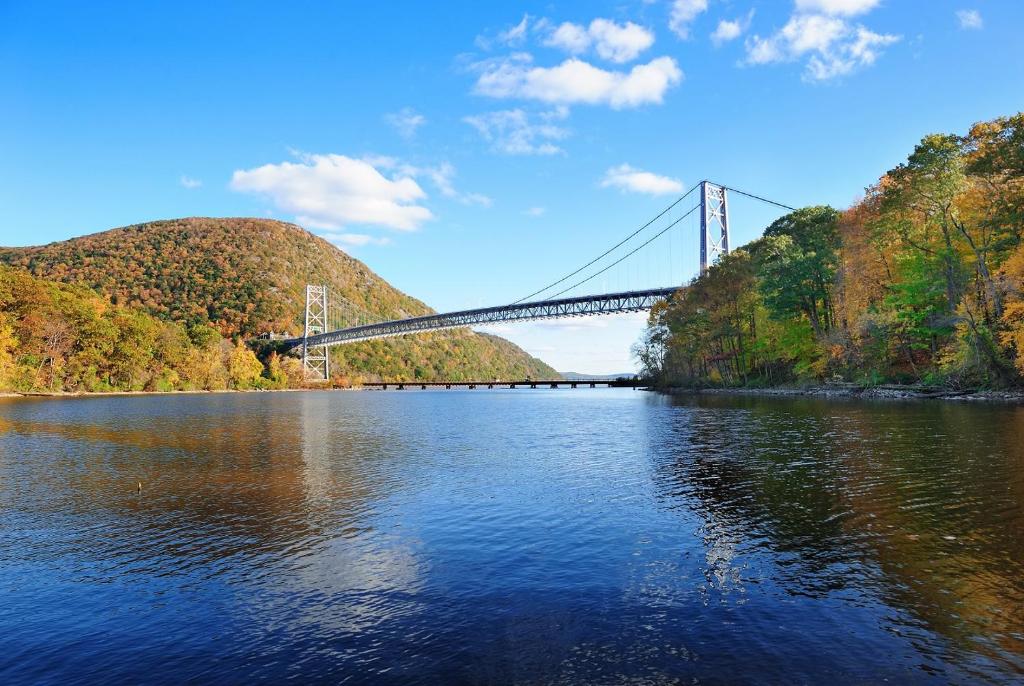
(714, 243)
(580, 306)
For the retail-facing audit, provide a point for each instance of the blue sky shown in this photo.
(472, 152)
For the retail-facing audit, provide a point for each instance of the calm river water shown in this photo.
(493, 537)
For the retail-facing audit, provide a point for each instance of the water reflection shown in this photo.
(918, 502)
(571, 537)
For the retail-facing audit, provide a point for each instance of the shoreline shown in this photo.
(884, 392)
(108, 394)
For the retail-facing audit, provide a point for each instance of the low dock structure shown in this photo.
(526, 383)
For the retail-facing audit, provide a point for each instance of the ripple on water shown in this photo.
(510, 537)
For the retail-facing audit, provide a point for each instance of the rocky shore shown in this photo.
(884, 392)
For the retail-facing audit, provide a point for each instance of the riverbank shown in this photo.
(885, 392)
(107, 394)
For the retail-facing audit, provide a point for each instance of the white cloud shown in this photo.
(189, 182)
(354, 239)
(628, 178)
(575, 81)
(534, 211)
(513, 132)
(683, 13)
(441, 176)
(332, 191)
(613, 42)
(846, 8)
(831, 45)
(728, 30)
(619, 42)
(570, 37)
(969, 19)
(515, 35)
(405, 121)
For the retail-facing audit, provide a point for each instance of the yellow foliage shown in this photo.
(1013, 312)
(244, 368)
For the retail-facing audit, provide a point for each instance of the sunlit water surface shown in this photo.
(494, 537)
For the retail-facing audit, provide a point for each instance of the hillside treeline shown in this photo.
(205, 284)
(241, 276)
(57, 337)
(921, 281)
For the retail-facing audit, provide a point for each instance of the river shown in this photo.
(496, 537)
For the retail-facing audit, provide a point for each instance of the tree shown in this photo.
(1012, 335)
(798, 261)
(8, 346)
(919, 198)
(244, 368)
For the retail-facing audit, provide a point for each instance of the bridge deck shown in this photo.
(526, 383)
(580, 306)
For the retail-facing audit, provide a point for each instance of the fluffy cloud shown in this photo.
(332, 191)
(189, 182)
(406, 121)
(726, 31)
(628, 178)
(730, 30)
(969, 19)
(683, 13)
(516, 133)
(441, 176)
(846, 8)
(570, 37)
(614, 42)
(831, 45)
(575, 81)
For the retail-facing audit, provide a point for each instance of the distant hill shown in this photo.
(248, 276)
(576, 376)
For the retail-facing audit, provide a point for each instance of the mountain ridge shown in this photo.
(246, 276)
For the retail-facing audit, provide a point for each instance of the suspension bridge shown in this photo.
(558, 299)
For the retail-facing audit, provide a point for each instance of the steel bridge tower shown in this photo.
(714, 224)
(316, 364)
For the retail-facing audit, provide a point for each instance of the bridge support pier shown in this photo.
(714, 224)
(316, 362)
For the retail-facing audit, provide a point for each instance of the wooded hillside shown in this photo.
(243, 277)
(920, 281)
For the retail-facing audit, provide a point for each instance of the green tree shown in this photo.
(798, 261)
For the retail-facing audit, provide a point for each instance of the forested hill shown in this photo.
(920, 281)
(244, 277)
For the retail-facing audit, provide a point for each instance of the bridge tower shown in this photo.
(315, 359)
(714, 224)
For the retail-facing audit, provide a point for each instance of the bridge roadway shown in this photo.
(531, 383)
(579, 306)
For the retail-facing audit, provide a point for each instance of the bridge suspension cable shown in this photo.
(611, 249)
(631, 252)
(331, 323)
(755, 197)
